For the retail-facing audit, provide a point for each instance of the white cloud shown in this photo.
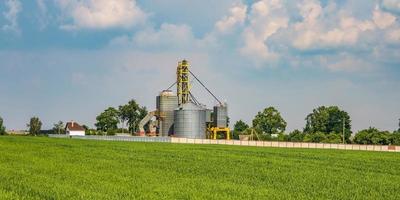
(383, 19)
(349, 64)
(393, 36)
(310, 10)
(14, 7)
(168, 34)
(237, 15)
(318, 32)
(391, 5)
(43, 16)
(101, 14)
(266, 18)
(177, 37)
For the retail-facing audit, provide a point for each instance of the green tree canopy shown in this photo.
(269, 121)
(240, 126)
(296, 136)
(328, 120)
(372, 136)
(395, 138)
(85, 127)
(132, 113)
(58, 128)
(2, 128)
(35, 125)
(107, 120)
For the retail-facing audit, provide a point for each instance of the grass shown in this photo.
(49, 168)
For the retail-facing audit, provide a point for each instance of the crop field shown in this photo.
(50, 168)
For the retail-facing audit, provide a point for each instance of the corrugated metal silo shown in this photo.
(166, 103)
(209, 115)
(190, 121)
(220, 116)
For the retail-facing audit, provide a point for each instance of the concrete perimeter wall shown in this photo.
(289, 144)
(238, 142)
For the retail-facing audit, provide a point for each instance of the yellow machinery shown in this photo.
(215, 130)
(182, 83)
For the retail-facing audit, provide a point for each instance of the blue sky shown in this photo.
(70, 59)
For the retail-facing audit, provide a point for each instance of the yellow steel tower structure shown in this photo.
(183, 85)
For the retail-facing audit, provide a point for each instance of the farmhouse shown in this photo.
(73, 128)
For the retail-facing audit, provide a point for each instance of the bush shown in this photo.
(2, 128)
(296, 136)
(91, 132)
(111, 131)
(283, 137)
(315, 137)
(333, 138)
(394, 138)
(372, 136)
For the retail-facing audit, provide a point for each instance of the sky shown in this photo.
(71, 59)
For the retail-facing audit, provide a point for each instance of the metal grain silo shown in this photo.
(220, 116)
(190, 121)
(166, 103)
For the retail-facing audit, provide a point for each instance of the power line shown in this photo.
(206, 88)
(171, 86)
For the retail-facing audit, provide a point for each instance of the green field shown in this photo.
(49, 168)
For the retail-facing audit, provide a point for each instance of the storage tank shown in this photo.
(190, 121)
(166, 103)
(209, 115)
(220, 116)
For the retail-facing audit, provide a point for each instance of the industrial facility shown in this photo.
(182, 115)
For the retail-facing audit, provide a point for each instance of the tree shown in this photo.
(372, 136)
(2, 128)
(333, 138)
(107, 120)
(296, 136)
(269, 121)
(395, 138)
(35, 125)
(59, 128)
(85, 127)
(316, 137)
(132, 113)
(239, 127)
(328, 120)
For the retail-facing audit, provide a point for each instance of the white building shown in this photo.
(74, 129)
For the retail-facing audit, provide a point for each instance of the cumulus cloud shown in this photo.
(349, 63)
(101, 14)
(43, 16)
(383, 19)
(167, 36)
(14, 7)
(266, 18)
(237, 15)
(391, 5)
(272, 32)
(318, 32)
(393, 36)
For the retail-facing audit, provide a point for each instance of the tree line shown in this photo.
(106, 122)
(325, 124)
(129, 114)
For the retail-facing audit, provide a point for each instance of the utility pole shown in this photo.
(343, 129)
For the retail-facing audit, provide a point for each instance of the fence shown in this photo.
(115, 138)
(238, 142)
(289, 144)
